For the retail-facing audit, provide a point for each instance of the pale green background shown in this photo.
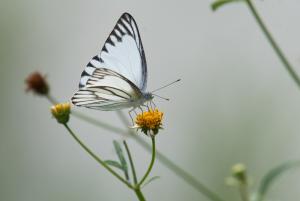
(236, 102)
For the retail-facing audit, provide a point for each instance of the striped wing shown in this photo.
(123, 53)
(107, 90)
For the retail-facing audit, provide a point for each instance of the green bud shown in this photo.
(239, 172)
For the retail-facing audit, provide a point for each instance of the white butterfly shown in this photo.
(117, 77)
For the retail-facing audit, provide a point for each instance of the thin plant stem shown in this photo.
(131, 162)
(273, 43)
(51, 99)
(98, 123)
(180, 172)
(92, 121)
(101, 162)
(139, 194)
(244, 192)
(136, 189)
(151, 163)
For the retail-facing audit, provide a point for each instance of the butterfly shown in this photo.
(116, 78)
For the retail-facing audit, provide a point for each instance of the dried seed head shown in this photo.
(37, 83)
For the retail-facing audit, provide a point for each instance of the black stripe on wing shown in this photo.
(97, 94)
(126, 25)
(111, 91)
(100, 73)
(103, 97)
(95, 102)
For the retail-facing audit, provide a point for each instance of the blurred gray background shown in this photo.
(236, 102)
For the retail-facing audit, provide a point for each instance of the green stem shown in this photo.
(97, 158)
(139, 194)
(151, 163)
(244, 192)
(180, 172)
(51, 99)
(92, 121)
(131, 162)
(276, 48)
(95, 122)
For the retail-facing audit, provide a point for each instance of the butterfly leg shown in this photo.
(152, 104)
(148, 106)
(133, 109)
(142, 111)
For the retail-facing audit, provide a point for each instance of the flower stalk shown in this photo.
(51, 99)
(151, 163)
(137, 187)
(61, 112)
(244, 192)
(139, 194)
(88, 119)
(273, 43)
(131, 162)
(101, 162)
(239, 179)
(240, 174)
(179, 171)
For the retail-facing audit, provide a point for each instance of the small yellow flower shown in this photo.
(61, 112)
(149, 121)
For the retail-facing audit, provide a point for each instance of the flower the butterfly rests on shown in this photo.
(149, 122)
(116, 78)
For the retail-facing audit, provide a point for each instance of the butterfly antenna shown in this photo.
(167, 99)
(165, 86)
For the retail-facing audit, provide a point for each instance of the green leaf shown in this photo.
(150, 180)
(114, 164)
(219, 3)
(120, 154)
(121, 157)
(271, 176)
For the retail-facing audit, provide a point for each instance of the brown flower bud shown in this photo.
(37, 83)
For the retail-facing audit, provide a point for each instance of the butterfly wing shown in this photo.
(123, 53)
(107, 90)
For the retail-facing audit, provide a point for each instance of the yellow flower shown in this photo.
(61, 112)
(149, 121)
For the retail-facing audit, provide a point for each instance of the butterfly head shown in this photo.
(148, 96)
